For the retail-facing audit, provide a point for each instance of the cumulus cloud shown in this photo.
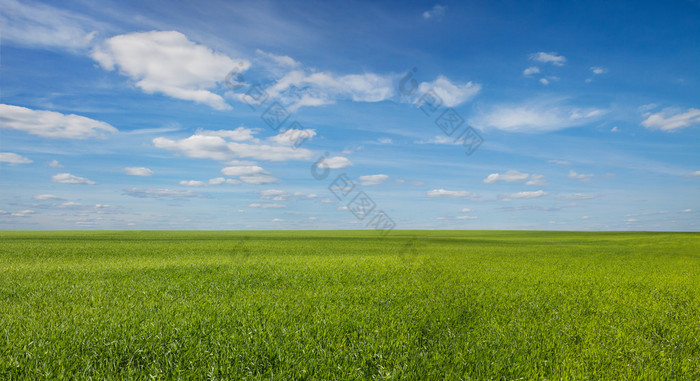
(298, 88)
(240, 134)
(138, 171)
(522, 195)
(67, 178)
(673, 122)
(55, 164)
(451, 94)
(51, 124)
(167, 62)
(509, 177)
(435, 11)
(512, 176)
(293, 137)
(242, 170)
(449, 194)
(204, 145)
(597, 70)
(335, 162)
(580, 176)
(13, 158)
(531, 70)
(553, 58)
(372, 180)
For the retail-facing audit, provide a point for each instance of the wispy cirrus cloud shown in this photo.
(536, 116)
(671, 120)
(42, 25)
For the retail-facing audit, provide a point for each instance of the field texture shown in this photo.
(347, 305)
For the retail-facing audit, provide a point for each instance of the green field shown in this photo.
(347, 305)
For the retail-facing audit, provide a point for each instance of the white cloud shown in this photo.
(298, 88)
(204, 146)
(522, 195)
(240, 134)
(544, 81)
(579, 176)
(597, 70)
(192, 183)
(284, 61)
(216, 181)
(42, 25)
(674, 122)
(560, 162)
(292, 137)
(536, 117)
(47, 197)
(687, 210)
(159, 193)
(449, 194)
(509, 177)
(138, 171)
(536, 180)
(694, 174)
(259, 178)
(335, 162)
(168, 62)
(531, 70)
(21, 213)
(435, 11)
(51, 124)
(467, 217)
(277, 220)
(465, 210)
(267, 206)
(385, 141)
(67, 178)
(13, 158)
(55, 164)
(553, 58)
(614, 129)
(242, 170)
(372, 180)
(439, 139)
(576, 196)
(276, 194)
(452, 95)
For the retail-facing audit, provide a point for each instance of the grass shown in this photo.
(347, 305)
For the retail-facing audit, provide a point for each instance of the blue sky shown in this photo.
(146, 115)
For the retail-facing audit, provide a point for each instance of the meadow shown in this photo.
(420, 305)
